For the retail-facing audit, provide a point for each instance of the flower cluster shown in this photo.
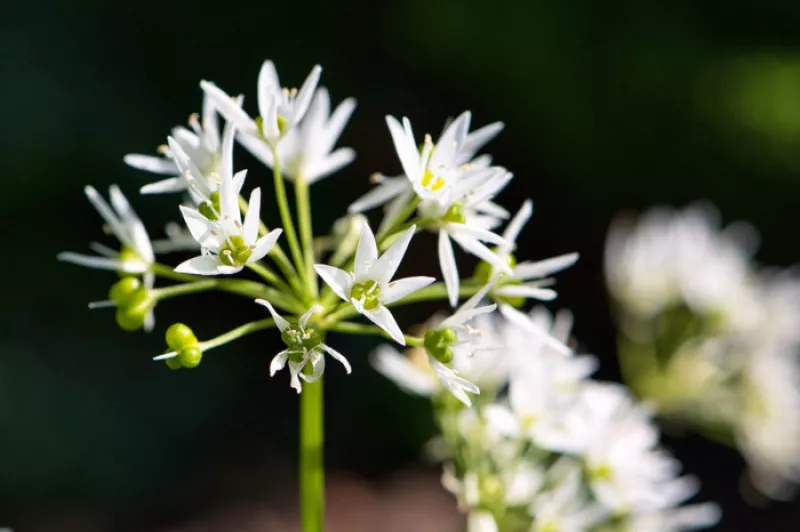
(545, 447)
(710, 338)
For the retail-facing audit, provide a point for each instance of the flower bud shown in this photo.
(123, 290)
(190, 356)
(180, 336)
(174, 363)
(132, 314)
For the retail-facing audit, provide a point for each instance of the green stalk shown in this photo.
(359, 328)
(268, 275)
(306, 233)
(312, 473)
(286, 213)
(238, 332)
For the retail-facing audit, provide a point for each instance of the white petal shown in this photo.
(171, 184)
(518, 221)
(149, 163)
(317, 365)
(268, 85)
(532, 270)
(256, 146)
(305, 94)
(501, 420)
(279, 321)
(303, 321)
(383, 318)
(367, 252)
(405, 147)
(326, 166)
(403, 372)
(165, 356)
(278, 362)
(464, 315)
(229, 108)
(226, 165)
(477, 233)
(339, 280)
(386, 266)
(447, 262)
(521, 320)
(210, 123)
(401, 288)
(481, 521)
(387, 189)
(264, 245)
(476, 248)
(100, 263)
(199, 226)
(251, 219)
(338, 356)
(521, 290)
(203, 265)
(109, 216)
(337, 122)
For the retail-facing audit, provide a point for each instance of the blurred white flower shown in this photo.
(307, 150)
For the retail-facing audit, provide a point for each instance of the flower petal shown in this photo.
(367, 252)
(532, 270)
(447, 262)
(339, 280)
(386, 266)
(278, 362)
(264, 245)
(522, 290)
(388, 188)
(171, 184)
(229, 108)
(149, 163)
(518, 222)
(306, 92)
(383, 318)
(403, 372)
(253, 216)
(100, 263)
(402, 287)
(203, 265)
(281, 323)
(337, 356)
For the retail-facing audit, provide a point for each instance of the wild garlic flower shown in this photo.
(136, 257)
(304, 345)
(307, 151)
(201, 144)
(369, 286)
(528, 279)
(453, 348)
(280, 109)
(227, 244)
(465, 147)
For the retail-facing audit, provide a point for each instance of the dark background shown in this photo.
(608, 106)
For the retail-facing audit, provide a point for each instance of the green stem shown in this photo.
(184, 289)
(359, 328)
(238, 332)
(168, 273)
(286, 212)
(401, 217)
(312, 474)
(276, 253)
(268, 275)
(306, 233)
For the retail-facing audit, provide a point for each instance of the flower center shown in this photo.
(438, 344)
(298, 338)
(602, 473)
(455, 214)
(368, 293)
(235, 252)
(432, 181)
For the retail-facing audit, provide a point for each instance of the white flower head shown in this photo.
(528, 279)
(227, 243)
(369, 286)
(304, 346)
(136, 255)
(280, 109)
(200, 144)
(307, 150)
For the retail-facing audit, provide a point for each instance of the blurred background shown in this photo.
(608, 106)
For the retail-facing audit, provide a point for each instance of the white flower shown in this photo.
(304, 346)
(280, 109)
(481, 521)
(136, 255)
(564, 507)
(458, 148)
(201, 144)
(768, 428)
(544, 381)
(228, 245)
(528, 278)
(306, 152)
(672, 257)
(453, 349)
(178, 239)
(368, 287)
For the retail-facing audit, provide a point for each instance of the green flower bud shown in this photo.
(180, 336)
(123, 290)
(131, 315)
(130, 321)
(174, 363)
(369, 291)
(190, 356)
(437, 343)
(127, 254)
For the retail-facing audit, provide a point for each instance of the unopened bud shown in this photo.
(180, 336)
(190, 357)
